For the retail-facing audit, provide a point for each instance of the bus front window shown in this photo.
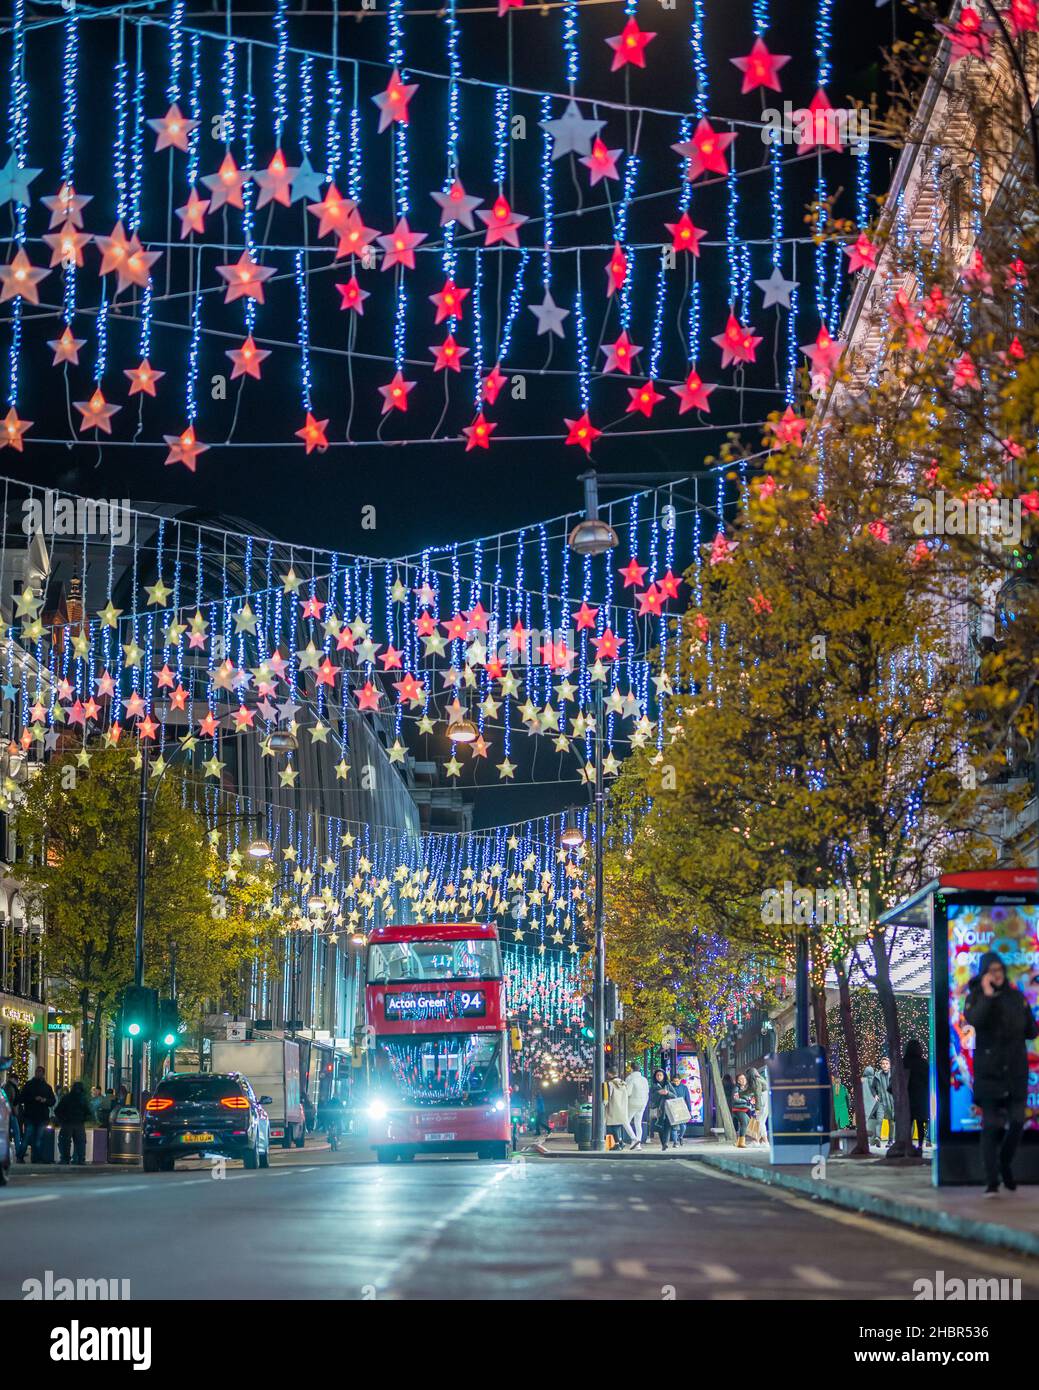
(451, 1069)
(395, 962)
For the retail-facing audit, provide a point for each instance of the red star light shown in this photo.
(275, 182)
(448, 354)
(356, 236)
(399, 246)
(632, 573)
(629, 46)
(313, 434)
(607, 647)
(66, 348)
(67, 245)
(760, 67)
(143, 379)
(620, 354)
(862, 254)
(738, 344)
(643, 399)
(395, 395)
(789, 428)
(184, 448)
(172, 130)
(685, 236)
(332, 211)
(352, 297)
(193, 215)
(478, 434)
(493, 382)
(582, 432)
(368, 696)
(247, 358)
(448, 301)
(616, 270)
(97, 413)
(502, 223)
(393, 102)
(225, 186)
(817, 125)
(705, 151)
(244, 279)
(602, 162)
(693, 393)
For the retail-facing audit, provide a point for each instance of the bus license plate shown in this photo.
(438, 1138)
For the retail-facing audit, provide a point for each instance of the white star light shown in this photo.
(571, 132)
(549, 316)
(776, 290)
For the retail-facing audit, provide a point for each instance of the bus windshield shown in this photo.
(442, 1069)
(397, 961)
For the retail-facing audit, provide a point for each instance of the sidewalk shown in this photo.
(869, 1186)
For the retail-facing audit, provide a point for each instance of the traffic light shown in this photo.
(588, 1022)
(140, 1012)
(614, 1012)
(168, 1032)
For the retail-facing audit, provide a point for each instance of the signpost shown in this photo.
(800, 1104)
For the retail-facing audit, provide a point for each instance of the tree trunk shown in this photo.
(91, 1024)
(903, 1145)
(861, 1149)
(719, 1095)
(822, 1027)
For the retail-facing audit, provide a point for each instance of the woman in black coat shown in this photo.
(918, 1081)
(1003, 1026)
(660, 1092)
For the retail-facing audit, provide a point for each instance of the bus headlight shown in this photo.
(377, 1110)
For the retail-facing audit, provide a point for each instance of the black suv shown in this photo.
(196, 1113)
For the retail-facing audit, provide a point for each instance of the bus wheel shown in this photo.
(406, 1156)
(385, 1155)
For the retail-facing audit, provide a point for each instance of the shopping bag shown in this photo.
(677, 1111)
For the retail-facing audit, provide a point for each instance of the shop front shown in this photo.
(23, 1034)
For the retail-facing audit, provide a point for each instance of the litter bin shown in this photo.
(581, 1128)
(125, 1136)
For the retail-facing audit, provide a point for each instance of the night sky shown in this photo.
(424, 493)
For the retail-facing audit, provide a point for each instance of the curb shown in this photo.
(869, 1203)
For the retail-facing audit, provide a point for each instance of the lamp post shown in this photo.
(593, 536)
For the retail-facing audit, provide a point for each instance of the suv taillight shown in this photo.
(234, 1102)
(159, 1103)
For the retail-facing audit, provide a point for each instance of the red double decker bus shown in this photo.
(435, 1008)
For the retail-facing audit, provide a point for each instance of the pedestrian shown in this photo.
(617, 1124)
(758, 1125)
(918, 1081)
(540, 1115)
(742, 1108)
(882, 1089)
(728, 1085)
(1003, 1026)
(637, 1088)
(871, 1105)
(683, 1093)
(35, 1099)
(841, 1112)
(104, 1110)
(660, 1092)
(95, 1104)
(72, 1112)
(10, 1090)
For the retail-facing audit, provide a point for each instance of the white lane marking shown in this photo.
(586, 1269)
(631, 1269)
(689, 1210)
(7, 1202)
(720, 1274)
(816, 1278)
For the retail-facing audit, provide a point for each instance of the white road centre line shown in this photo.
(631, 1269)
(816, 1278)
(586, 1269)
(7, 1203)
(719, 1274)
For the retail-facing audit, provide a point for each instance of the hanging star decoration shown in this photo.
(15, 181)
(693, 394)
(275, 182)
(456, 205)
(776, 289)
(225, 186)
(172, 130)
(246, 360)
(760, 68)
(571, 132)
(184, 448)
(549, 316)
(393, 102)
(19, 278)
(143, 378)
(97, 413)
(502, 223)
(66, 348)
(705, 151)
(629, 46)
(245, 278)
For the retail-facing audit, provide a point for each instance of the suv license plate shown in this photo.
(196, 1139)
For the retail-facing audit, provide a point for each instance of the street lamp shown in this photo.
(463, 731)
(259, 849)
(572, 836)
(592, 535)
(282, 741)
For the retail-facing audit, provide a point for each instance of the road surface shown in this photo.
(337, 1226)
